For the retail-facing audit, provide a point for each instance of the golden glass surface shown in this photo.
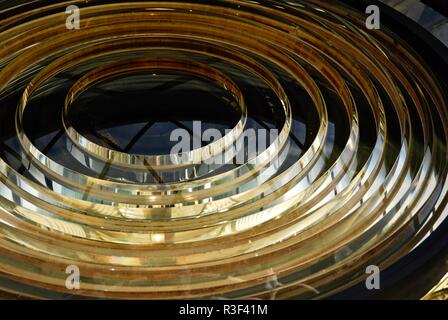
(356, 176)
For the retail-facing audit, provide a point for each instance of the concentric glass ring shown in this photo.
(354, 176)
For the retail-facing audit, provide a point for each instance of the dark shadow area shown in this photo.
(438, 5)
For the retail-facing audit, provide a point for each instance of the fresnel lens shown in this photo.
(232, 149)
